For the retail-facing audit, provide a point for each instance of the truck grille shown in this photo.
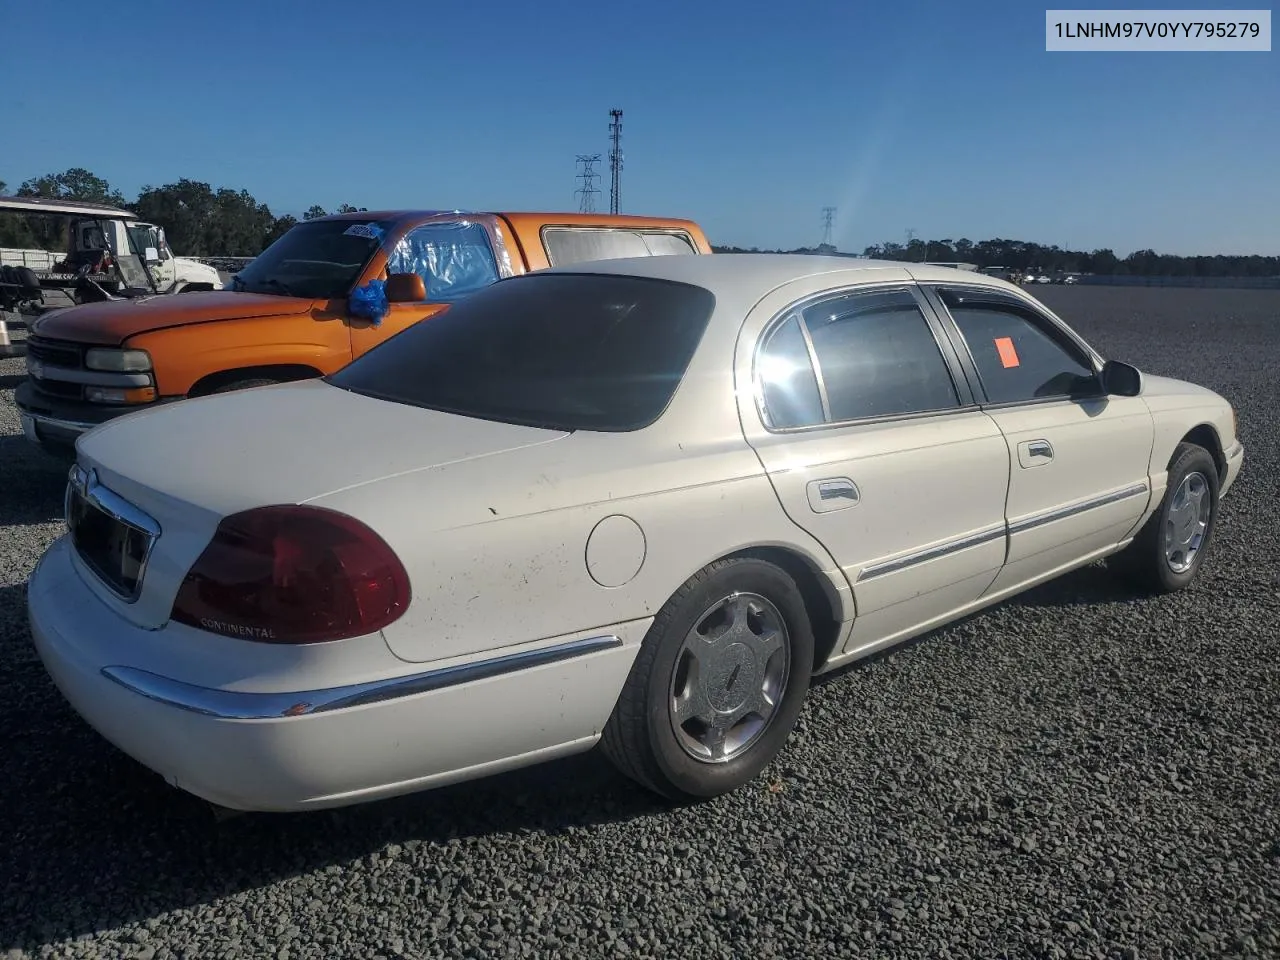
(112, 536)
(56, 353)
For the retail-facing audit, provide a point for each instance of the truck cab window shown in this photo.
(454, 259)
(143, 237)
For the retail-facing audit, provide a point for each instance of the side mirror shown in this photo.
(151, 255)
(1121, 379)
(406, 288)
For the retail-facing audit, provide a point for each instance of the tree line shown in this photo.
(200, 221)
(1018, 256)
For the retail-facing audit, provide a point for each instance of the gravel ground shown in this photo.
(1077, 773)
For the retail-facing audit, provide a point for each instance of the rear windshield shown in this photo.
(562, 351)
(317, 259)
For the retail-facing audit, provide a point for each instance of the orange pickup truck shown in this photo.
(321, 295)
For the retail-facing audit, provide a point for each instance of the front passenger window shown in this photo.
(1017, 358)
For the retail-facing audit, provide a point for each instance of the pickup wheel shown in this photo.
(244, 385)
(717, 685)
(1167, 553)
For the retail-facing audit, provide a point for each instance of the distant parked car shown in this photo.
(636, 503)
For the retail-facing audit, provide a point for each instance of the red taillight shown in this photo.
(293, 574)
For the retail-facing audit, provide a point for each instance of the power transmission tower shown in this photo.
(828, 217)
(615, 159)
(587, 192)
(911, 235)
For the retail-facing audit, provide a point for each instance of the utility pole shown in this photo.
(615, 159)
(588, 190)
(828, 217)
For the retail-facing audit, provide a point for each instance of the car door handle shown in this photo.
(1033, 453)
(832, 494)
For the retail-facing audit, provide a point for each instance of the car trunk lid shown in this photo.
(184, 468)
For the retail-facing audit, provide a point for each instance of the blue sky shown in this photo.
(947, 118)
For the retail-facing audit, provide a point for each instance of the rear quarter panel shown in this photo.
(501, 557)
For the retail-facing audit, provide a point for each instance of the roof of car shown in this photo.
(753, 275)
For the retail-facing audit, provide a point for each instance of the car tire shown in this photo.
(1170, 548)
(735, 637)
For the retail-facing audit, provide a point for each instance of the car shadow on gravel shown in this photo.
(1089, 586)
(11, 381)
(120, 846)
(32, 483)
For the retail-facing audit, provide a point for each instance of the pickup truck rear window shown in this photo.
(560, 351)
(316, 259)
(567, 245)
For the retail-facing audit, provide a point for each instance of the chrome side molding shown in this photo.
(996, 533)
(1040, 519)
(932, 553)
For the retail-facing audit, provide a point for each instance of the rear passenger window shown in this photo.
(1017, 357)
(877, 356)
(788, 389)
(577, 245)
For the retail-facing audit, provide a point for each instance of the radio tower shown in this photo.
(615, 159)
(588, 190)
(828, 217)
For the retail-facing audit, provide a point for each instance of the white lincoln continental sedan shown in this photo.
(635, 503)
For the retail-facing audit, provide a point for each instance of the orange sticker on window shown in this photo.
(1008, 355)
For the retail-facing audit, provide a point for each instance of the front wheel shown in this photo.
(1168, 551)
(244, 384)
(717, 685)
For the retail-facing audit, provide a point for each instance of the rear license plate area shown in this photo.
(109, 542)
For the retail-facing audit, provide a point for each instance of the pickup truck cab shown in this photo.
(323, 294)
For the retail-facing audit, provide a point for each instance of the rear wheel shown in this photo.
(1168, 551)
(717, 685)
